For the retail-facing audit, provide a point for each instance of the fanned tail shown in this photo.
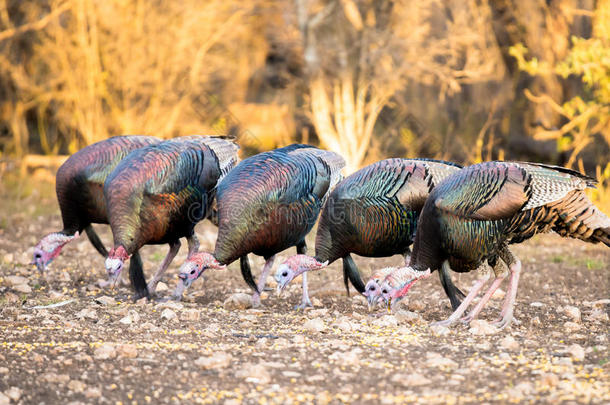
(225, 150)
(580, 218)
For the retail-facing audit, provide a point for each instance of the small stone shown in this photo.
(573, 313)
(190, 315)
(386, 321)
(93, 393)
(217, 360)
(509, 343)
(436, 360)
(549, 380)
(346, 359)
(403, 316)
(498, 294)
(598, 315)
(88, 313)
(291, 374)
(4, 399)
(410, 380)
(168, 314)
(161, 287)
(76, 385)
(571, 327)
(13, 393)
(254, 373)
(314, 325)
(316, 303)
(576, 352)
(105, 300)
(482, 327)
(238, 301)
(439, 330)
(9, 257)
(13, 281)
(22, 288)
(105, 351)
(127, 351)
(344, 325)
(536, 304)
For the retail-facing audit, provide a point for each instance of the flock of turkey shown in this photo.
(154, 192)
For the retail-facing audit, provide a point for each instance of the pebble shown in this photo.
(571, 327)
(161, 287)
(88, 313)
(291, 374)
(13, 393)
(482, 327)
(13, 281)
(351, 358)
(217, 360)
(576, 352)
(386, 321)
(509, 343)
(436, 360)
(4, 399)
(131, 317)
(573, 313)
(254, 373)
(105, 351)
(403, 316)
(168, 314)
(410, 380)
(76, 385)
(127, 351)
(190, 315)
(22, 288)
(238, 301)
(314, 325)
(93, 393)
(173, 305)
(316, 303)
(439, 330)
(598, 315)
(105, 300)
(498, 294)
(536, 304)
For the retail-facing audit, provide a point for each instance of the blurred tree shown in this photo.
(359, 53)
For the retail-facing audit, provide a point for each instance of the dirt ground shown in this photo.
(101, 348)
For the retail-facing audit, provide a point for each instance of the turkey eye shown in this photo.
(285, 274)
(192, 271)
(37, 256)
(372, 288)
(384, 291)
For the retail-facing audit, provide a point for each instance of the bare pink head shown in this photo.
(193, 267)
(115, 261)
(49, 248)
(295, 266)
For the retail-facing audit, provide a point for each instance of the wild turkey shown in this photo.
(157, 195)
(267, 204)
(80, 192)
(473, 215)
(372, 213)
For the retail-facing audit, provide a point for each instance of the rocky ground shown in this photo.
(66, 340)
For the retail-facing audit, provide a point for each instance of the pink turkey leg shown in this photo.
(492, 288)
(256, 297)
(173, 251)
(474, 291)
(509, 302)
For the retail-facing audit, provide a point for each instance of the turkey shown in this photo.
(372, 213)
(267, 204)
(472, 216)
(157, 195)
(80, 192)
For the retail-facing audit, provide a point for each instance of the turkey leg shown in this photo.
(506, 316)
(474, 291)
(262, 280)
(174, 247)
(305, 302)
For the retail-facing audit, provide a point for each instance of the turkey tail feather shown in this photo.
(580, 218)
(451, 290)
